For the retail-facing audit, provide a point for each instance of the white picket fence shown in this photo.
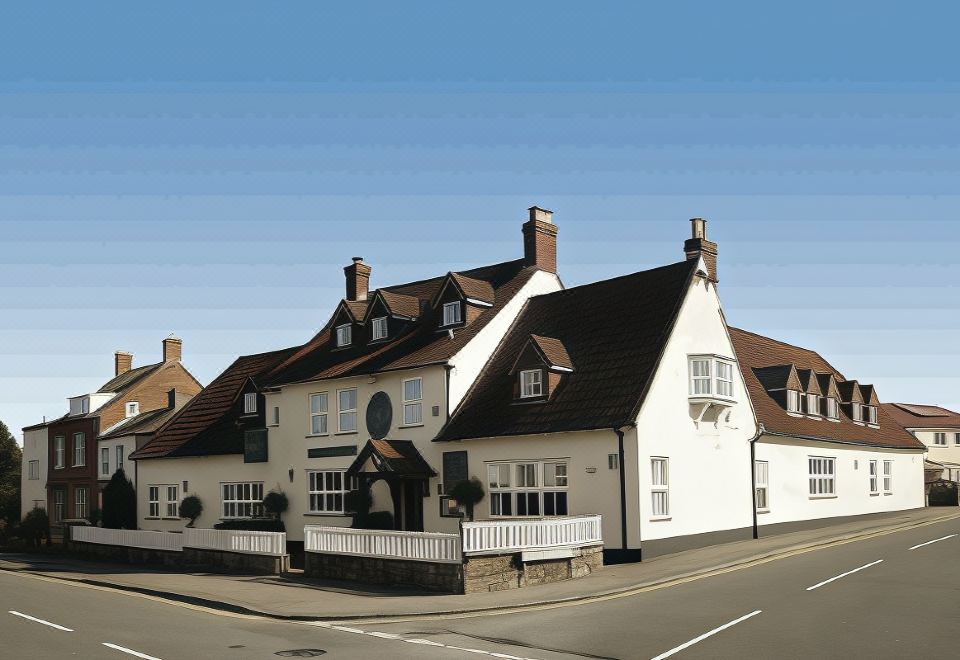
(386, 544)
(496, 536)
(231, 540)
(132, 538)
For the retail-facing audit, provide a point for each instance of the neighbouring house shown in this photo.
(937, 428)
(826, 447)
(73, 455)
(33, 473)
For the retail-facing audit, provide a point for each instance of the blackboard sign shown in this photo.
(379, 415)
(454, 469)
(255, 446)
(328, 452)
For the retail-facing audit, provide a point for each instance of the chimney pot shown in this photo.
(543, 215)
(357, 277)
(540, 240)
(698, 227)
(172, 349)
(698, 246)
(122, 362)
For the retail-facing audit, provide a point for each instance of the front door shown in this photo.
(413, 505)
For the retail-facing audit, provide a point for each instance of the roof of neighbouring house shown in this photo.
(758, 355)
(916, 416)
(128, 378)
(614, 331)
(142, 424)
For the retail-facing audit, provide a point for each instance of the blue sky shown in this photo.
(207, 169)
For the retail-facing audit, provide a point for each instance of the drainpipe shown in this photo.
(753, 479)
(623, 490)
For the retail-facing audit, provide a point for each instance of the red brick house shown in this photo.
(72, 484)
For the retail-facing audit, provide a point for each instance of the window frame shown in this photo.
(33, 470)
(937, 435)
(254, 502)
(871, 414)
(456, 317)
(175, 502)
(822, 478)
(59, 504)
(856, 412)
(119, 457)
(524, 394)
(515, 496)
(153, 503)
(718, 385)
(105, 464)
(661, 487)
(414, 404)
(84, 405)
(761, 481)
(379, 328)
(132, 408)
(326, 495)
(873, 475)
(833, 408)
(59, 452)
(344, 334)
(794, 402)
(250, 403)
(813, 404)
(325, 414)
(887, 477)
(348, 411)
(81, 504)
(956, 439)
(79, 449)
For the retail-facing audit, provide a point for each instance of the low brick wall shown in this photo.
(499, 572)
(216, 560)
(447, 578)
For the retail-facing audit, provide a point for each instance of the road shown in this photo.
(884, 597)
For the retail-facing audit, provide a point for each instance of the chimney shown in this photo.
(540, 240)
(172, 349)
(122, 362)
(358, 279)
(698, 246)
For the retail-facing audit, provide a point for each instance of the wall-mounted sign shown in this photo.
(255, 446)
(379, 415)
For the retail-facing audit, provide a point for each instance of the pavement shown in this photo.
(295, 598)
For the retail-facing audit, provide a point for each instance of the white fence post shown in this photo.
(505, 535)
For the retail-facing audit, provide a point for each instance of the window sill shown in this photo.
(317, 435)
(152, 518)
(762, 511)
(410, 426)
(822, 497)
(321, 514)
(345, 433)
(272, 426)
(874, 494)
(888, 493)
(660, 518)
(170, 518)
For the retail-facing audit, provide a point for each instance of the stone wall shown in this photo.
(446, 578)
(499, 572)
(215, 560)
(124, 554)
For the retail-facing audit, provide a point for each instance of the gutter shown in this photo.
(623, 488)
(753, 478)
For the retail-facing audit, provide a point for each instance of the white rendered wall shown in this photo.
(940, 453)
(128, 443)
(789, 491)
(33, 490)
(709, 464)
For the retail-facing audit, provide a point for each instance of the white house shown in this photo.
(33, 473)
(937, 428)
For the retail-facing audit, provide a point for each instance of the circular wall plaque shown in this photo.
(379, 415)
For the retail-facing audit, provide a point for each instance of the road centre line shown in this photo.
(942, 538)
(130, 651)
(837, 577)
(710, 633)
(36, 620)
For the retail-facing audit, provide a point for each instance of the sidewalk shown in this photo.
(293, 597)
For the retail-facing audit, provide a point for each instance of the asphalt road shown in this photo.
(875, 598)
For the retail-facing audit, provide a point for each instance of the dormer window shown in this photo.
(793, 401)
(813, 405)
(531, 383)
(379, 328)
(84, 406)
(344, 334)
(451, 313)
(249, 403)
(856, 411)
(133, 408)
(832, 409)
(870, 414)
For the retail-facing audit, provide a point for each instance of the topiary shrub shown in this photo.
(379, 520)
(275, 503)
(467, 494)
(253, 525)
(190, 509)
(34, 527)
(119, 503)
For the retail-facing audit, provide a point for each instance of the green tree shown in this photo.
(119, 503)
(10, 458)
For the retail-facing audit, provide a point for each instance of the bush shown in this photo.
(253, 525)
(119, 503)
(943, 493)
(379, 520)
(35, 526)
(190, 509)
(468, 494)
(275, 503)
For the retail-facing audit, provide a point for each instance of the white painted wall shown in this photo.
(789, 491)
(33, 492)
(709, 464)
(942, 454)
(129, 467)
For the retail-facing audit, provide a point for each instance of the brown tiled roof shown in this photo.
(142, 424)
(401, 304)
(474, 288)
(358, 308)
(614, 361)
(913, 416)
(393, 457)
(128, 378)
(553, 351)
(418, 344)
(756, 352)
(207, 424)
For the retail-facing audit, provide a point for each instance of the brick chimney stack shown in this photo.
(540, 240)
(698, 246)
(358, 279)
(172, 349)
(122, 362)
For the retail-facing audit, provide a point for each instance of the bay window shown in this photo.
(711, 376)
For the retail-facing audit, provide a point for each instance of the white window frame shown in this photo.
(344, 335)
(319, 419)
(241, 499)
(888, 477)
(856, 411)
(81, 504)
(325, 495)
(276, 416)
(793, 401)
(347, 411)
(33, 470)
(452, 314)
(249, 403)
(378, 328)
(712, 376)
(413, 406)
(59, 452)
(701, 384)
(869, 414)
(153, 501)
(79, 449)
(724, 382)
(538, 484)
(84, 405)
(813, 404)
(833, 408)
(956, 439)
(659, 488)
(120, 456)
(938, 437)
(874, 478)
(105, 461)
(761, 482)
(821, 477)
(531, 383)
(171, 501)
(133, 408)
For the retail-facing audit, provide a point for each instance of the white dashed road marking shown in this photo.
(942, 538)
(130, 651)
(36, 620)
(837, 577)
(702, 637)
